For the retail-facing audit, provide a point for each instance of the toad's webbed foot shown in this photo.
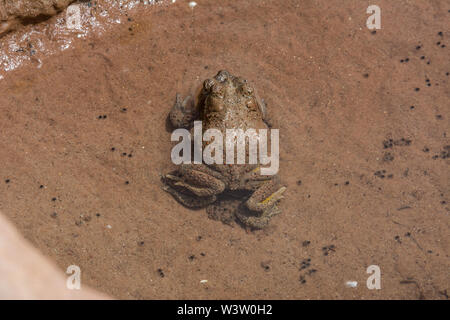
(257, 211)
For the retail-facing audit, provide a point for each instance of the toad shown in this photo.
(225, 102)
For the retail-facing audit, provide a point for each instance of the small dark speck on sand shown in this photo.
(408, 282)
(327, 249)
(265, 266)
(388, 157)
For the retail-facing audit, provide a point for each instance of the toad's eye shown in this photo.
(208, 84)
(247, 90)
(222, 76)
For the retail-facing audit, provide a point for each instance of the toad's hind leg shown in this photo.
(189, 200)
(193, 186)
(261, 206)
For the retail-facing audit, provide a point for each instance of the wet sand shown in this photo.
(362, 151)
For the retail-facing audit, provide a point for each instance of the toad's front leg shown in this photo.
(183, 113)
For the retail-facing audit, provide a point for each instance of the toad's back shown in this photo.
(228, 102)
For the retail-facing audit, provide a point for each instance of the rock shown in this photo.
(14, 13)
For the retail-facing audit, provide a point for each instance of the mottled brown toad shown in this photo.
(225, 102)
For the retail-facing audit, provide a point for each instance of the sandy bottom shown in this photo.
(363, 152)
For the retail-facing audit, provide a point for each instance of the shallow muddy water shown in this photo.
(364, 135)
